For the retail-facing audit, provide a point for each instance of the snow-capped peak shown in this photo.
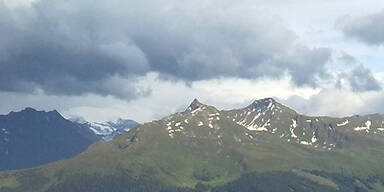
(110, 129)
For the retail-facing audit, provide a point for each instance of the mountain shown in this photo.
(108, 130)
(265, 146)
(30, 138)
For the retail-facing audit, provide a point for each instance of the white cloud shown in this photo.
(339, 103)
(17, 3)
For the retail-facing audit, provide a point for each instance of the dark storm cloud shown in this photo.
(74, 47)
(368, 29)
(307, 65)
(361, 79)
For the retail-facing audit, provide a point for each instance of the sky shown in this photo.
(144, 60)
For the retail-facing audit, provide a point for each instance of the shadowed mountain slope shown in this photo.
(30, 138)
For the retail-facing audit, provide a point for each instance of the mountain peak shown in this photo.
(54, 112)
(262, 103)
(265, 100)
(194, 105)
(33, 113)
(29, 109)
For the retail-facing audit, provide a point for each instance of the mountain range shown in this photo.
(265, 146)
(31, 138)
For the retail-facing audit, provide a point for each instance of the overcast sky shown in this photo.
(144, 60)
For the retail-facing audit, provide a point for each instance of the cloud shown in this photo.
(70, 47)
(347, 59)
(224, 93)
(358, 79)
(361, 79)
(368, 29)
(167, 97)
(328, 102)
(17, 3)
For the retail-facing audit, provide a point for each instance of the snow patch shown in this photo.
(366, 128)
(313, 139)
(197, 110)
(343, 123)
(292, 128)
(101, 129)
(250, 136)
(255, 118)
(5, 131)
(214, 114)
(305, 143)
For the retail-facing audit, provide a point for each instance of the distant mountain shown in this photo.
(264, 147)
(30, 138)
(108, 130)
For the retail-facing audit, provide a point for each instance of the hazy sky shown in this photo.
(146, 59)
